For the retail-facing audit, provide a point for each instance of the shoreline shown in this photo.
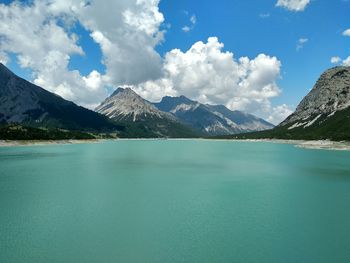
(308, 144)
(19, 143)
(305, 144)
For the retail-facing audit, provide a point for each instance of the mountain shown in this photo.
(330, 95)
(323, 114)
(141, 117)
(211, 120)
(25, 103)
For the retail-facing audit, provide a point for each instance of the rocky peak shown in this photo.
(125, 104)
(330, 94)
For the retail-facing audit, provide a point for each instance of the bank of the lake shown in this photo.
(319, 144)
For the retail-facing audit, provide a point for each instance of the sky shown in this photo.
(261, 57)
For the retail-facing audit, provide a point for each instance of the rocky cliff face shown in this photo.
(126, 105)
(331, 94)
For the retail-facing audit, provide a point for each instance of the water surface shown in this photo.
(174, 201)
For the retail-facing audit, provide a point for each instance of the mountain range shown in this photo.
(141, 117)
(211, 120)
(180, 114)
(323, 114)
(124, 113)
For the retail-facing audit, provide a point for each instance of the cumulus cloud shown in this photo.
(128, 32)
(346, 62)
(279, 114)
(38, 33)
(4, 59)
(301, 43)
(210, 75)
(346, 33)
(293, 5)
(335, 60)
(339, 60)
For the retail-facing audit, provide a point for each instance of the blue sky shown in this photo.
(304, 42)
(239, 25)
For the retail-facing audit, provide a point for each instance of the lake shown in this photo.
(174, 201)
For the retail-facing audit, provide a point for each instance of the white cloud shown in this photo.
(335, 60)
(186, 29)
(43, 46)
(208, 74)
(279, 114)
(301, 43)
(293, 5)
(193, 19)
(339, 60)
(127, 31)
(4, 59)
(346, 62)
(346, 33)
(193, 22)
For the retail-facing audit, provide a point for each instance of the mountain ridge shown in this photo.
(211, 120)
(142, 117)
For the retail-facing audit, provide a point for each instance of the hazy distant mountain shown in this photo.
(211, 120)
(25, 103)
(323, 114)
(141, 117)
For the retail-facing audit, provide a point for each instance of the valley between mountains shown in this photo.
(29, 112)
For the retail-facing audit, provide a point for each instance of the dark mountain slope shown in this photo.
(25, 103)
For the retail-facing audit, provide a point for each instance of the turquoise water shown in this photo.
(174, 201)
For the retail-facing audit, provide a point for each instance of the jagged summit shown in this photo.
(125, 104)
(127, 90)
